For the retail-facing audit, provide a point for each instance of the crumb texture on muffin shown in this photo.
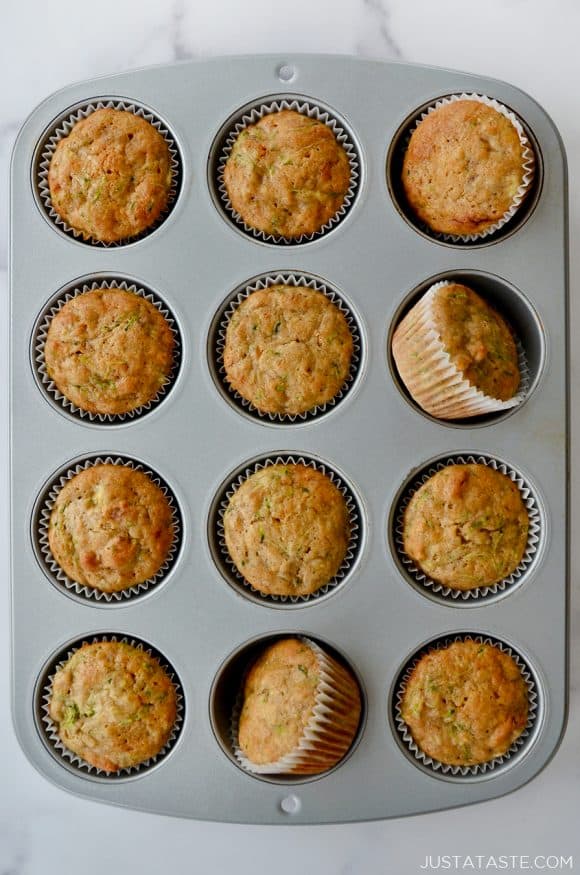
(287, 529)
(110, 527)
(474, 335)
(287, 174)
(109, 351)
(110, 178)
(466, 703)
(113, 704)
(466, 526)
(287, 349)
(301, 709)
(463, 168)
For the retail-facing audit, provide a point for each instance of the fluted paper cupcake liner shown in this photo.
(354, 520)
(327, 736)
(528, 166)
(41, 524)
(62, 127)
(40, 333)
(479, 769)
(253, 114)
(290, 279)
(49, 728)
(446, 593)
(433, 381)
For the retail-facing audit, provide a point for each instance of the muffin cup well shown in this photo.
(251, 114)
(61, 128)
(41, 521)
(227, 566)
(49, 729)
(328, 734)
(218, 338)
(443, 769)
(421, 581)
(434, 382)
(528, 167)
(39, 336)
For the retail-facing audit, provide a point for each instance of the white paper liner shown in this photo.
(437, 386)
(528, 165)
(50, 728)
(63, 126)
(306, 107)
(480, 768)
(354, 521)
(481, 592)
(327, 737)
(50, 389)
(299, 280)
(51, 566)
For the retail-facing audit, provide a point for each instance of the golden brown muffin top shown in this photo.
(287, 349)
(287, 529)
(287, 174)
(466, 703)
(466, 526)
(113, 704)
(279, 698)
(110, 528)
(477, 339)
(463, 167)
(109, 351)
(110, 177)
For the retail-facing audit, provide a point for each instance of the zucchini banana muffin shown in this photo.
(287, 174)
(466, 526)
(113, 704)
(451, 343)
(109, 351)
(287, 349)
(463, 168)
(466, 703)
(110, 527)
(287, 529)
(300, 711)
(110, 177)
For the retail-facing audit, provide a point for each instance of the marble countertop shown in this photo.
(533, 45)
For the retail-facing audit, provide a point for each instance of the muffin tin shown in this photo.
(198, 440)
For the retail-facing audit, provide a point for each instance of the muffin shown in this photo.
(109, 351)
(464, 168)
(466, 527)
(456, 355)
(466, 703)
(287, 529)
(300, 711)
(113, 705)
(287, 350)
(110, 178)
(287, 174)
(110, 528)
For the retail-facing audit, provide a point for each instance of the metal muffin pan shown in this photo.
(204, 626)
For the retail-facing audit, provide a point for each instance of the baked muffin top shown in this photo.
(287, 349)
(287, 529)
(113, 704)
(279, 697)
(463, 167)
(110, 177)
(466, 703)
(287, 174)
(110, 527)
(109, 351)
(466, 526)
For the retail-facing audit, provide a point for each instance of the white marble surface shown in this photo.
(533, 44)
